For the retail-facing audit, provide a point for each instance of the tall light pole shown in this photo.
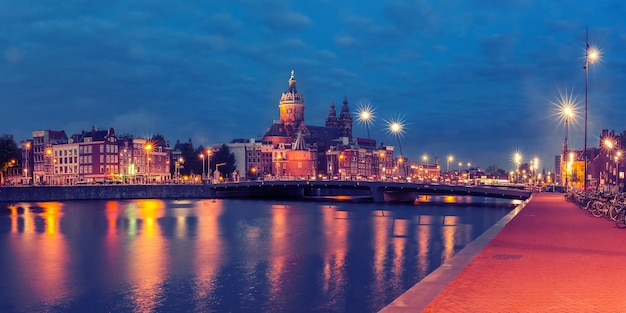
(366, 116)
(396, 129)
(618, 156)
(208, 163)
(450, 159)
(148, 148)
(202, 160)
(608, 145)
(590, 56)
(518, 159)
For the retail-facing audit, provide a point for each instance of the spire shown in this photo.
(292, 93)
(345, 119)
(292, 84)
(331, 120)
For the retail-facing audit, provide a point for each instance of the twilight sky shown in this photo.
(474, 79)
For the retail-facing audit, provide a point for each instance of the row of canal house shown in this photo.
(95, 156)
(341, 160)
(263, 160)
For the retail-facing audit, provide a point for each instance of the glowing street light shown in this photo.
(366, 116)
(450, 159)
(396, 128)
(566, 110)
(517, 158)
(148, 148)
(591, 55)
(202, 161)
(609, 143)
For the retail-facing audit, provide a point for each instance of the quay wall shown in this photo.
(65, 193)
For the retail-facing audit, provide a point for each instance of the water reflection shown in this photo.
(149, 258)
(231, 255)
(34, 244)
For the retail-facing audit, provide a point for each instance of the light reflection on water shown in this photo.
(227, 256)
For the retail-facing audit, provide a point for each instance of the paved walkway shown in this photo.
(550, 257)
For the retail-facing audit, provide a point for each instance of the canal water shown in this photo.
(228, 255)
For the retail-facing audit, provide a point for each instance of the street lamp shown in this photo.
(366, 116)
(535, 168)
(590, 56)
(450, 159)
(148, 148)
(208, 163)
(48, 164)
(517, 157)
(395, 127)
(27, 162)
(618, 156)
(202, 161)
(569, 169)
(608, 144)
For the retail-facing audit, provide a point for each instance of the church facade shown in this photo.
(328, 151)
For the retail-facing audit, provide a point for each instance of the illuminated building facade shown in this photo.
(43, 166)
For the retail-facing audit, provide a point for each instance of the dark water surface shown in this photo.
(227, 255)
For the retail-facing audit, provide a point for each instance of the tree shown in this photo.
(9, 154)
(225, 157)
(159, 140)
(495, 171)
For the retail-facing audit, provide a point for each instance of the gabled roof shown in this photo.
(322, 133)
(277, 129)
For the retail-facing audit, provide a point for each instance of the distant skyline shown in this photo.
(472, 79)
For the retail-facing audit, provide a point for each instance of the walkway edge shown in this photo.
(418, 297)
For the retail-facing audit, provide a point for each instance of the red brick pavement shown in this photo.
(551, 257)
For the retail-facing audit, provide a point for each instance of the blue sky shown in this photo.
(472, 79)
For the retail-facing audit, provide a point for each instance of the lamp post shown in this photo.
(608, 144)
(518, 159)
(396, 129)
(366, 116)
(381, 171)
(450, 159)
(618, 156)
(148, 148)
(341, 165)
(27, 162)
(590, 56)
(535, 168)
(570, 164)
(427, 170)
(208, 163)
(202, 161)
(47, 165)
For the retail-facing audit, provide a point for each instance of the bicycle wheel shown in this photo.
(614, 211)
(597, 209)
(621, 219)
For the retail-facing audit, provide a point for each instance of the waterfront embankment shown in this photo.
(97, 192)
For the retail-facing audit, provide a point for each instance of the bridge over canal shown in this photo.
(375, 191)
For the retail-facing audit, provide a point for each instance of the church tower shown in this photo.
(345, 120)
(291, 108)
(331, 120)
